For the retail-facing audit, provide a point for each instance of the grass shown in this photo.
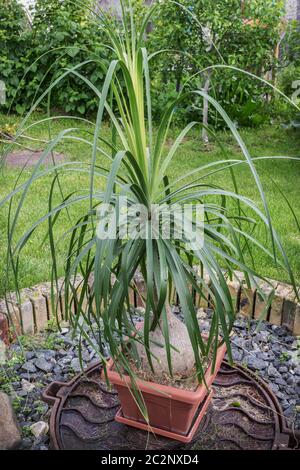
(35, 262)
(8, 375)
(47, 340)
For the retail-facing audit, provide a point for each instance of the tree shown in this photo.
(225, 32)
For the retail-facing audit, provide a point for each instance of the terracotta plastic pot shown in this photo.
(169, 408)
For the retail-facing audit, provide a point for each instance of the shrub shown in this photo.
(62, 35)
(223, 34)
(289, 83)
(290, 53)
(65, 33)
(287, 80)
(14, 48)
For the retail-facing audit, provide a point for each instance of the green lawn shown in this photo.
(35, 262)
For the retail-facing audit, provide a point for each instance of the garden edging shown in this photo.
(32, 313)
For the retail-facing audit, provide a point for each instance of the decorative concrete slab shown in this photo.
(243, 415)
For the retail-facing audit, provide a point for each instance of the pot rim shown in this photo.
(168, 391)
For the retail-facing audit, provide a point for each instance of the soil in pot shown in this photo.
(180, 381)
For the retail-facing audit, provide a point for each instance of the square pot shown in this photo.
(162, 432)
(169, 408)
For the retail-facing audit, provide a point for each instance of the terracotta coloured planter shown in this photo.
(169, 408)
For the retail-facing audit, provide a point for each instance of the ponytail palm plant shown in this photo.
(138, 164)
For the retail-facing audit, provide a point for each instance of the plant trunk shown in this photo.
(178, 82)
(182, 359)
(205, 109)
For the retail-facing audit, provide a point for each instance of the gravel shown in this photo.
(30, 371)
(271, 352)
(274, 354)
(42, 364)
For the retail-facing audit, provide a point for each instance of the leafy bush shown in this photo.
(62, 35)
(289, 83)
(290, 53)
(65, 33)
(69, 32)
(223, 34)
(288, 78)
(14, 48)
(250, 114)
